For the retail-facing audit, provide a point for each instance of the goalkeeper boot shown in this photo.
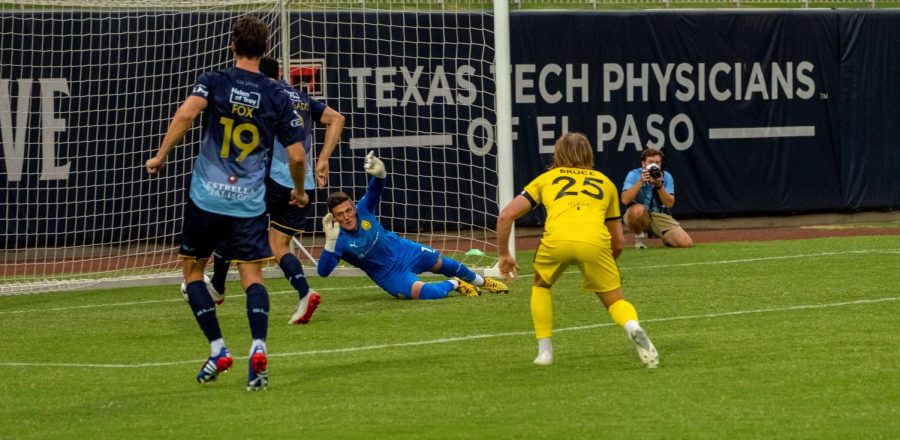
(214, 366)
(217, 297)
(645, 349)
(494, 286)
(305, 309)
(466, 288)
(258, 377)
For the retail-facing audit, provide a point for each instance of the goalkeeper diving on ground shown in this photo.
(354, 234)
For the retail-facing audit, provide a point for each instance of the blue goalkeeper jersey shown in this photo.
(309, 111)
(245, 114)
(376, 251)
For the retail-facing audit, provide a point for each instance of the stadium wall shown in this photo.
(758, 112)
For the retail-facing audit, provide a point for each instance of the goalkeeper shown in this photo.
(354, 234)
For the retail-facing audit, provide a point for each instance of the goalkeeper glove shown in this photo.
(332, 231)
(375, 166)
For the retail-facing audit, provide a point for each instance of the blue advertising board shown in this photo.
(757, 112)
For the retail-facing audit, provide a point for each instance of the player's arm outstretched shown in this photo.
(375, 168)
(178, 127)
(518, 207)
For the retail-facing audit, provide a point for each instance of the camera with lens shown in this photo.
(654, 171)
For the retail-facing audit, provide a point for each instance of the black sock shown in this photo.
(293, 271)
(204, 310)
(220, 273)
(258, 311)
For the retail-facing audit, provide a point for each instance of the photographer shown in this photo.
(648, 193)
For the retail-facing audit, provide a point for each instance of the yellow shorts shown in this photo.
(597, 266)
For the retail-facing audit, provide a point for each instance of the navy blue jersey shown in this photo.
(378, 252)
(244, 116)
(309, 111)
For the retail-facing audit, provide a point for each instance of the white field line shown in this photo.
(461, 338)
(158, 301)
(284, 292)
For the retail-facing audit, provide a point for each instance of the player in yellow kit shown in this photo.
(583, 227)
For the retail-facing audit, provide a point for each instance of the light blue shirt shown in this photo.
(645, 194)
(309, 111)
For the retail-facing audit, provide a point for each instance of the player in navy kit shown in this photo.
(244, 112)
(287, 220)
(392, 262)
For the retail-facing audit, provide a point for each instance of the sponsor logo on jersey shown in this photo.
(200, 89)
(232, 179)
(243, 97)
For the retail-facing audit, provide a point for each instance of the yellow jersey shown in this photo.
(579, 202)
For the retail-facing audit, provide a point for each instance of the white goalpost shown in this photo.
(87, 88)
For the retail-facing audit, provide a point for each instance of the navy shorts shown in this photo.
(247, 239)
(284, 217)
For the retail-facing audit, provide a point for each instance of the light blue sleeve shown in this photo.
(632, 178)
(669, 183)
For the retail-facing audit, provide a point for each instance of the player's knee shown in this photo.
(279, 242)
(437, 265)
(539, 282)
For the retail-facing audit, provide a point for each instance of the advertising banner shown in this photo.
(757, 112)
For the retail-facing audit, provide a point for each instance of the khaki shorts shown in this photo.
(597, 266)
(661, 223)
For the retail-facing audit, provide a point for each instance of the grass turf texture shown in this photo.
(780, 339)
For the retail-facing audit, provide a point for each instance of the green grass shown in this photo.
(780, 339)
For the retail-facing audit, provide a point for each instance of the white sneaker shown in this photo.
(639, 241)
(545, 358)
(305, 309)
(217, 297)
(645, 349)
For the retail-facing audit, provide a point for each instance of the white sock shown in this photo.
(545, 345)
(455, 283)
(641, 235)
(216, 346)
(631, 326)
(257, 343)
(478, 281)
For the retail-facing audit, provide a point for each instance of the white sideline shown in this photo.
(659, 266)
(157, 301)
(460, 338)
(464, 338)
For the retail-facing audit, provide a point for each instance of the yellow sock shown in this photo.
(621, 311)
(542, 312)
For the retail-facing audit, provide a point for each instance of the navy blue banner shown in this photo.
(758, 113)
(744, 106)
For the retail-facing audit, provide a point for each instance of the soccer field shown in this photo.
(778, 339)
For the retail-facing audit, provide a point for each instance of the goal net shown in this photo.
(87, 89)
